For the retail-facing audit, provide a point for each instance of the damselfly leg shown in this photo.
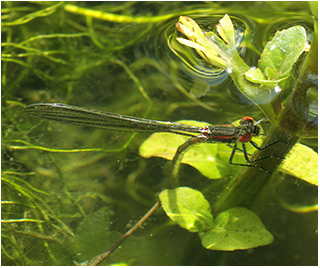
(245, 153)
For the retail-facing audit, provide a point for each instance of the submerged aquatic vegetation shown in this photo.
(68, 193)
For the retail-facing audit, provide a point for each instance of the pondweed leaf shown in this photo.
(278, 57)
(234, 229)
(210, 159)
(282, 52)
(204, 157)
(302, 162)
(188, 208)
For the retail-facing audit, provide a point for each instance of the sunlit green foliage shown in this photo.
(68, 193)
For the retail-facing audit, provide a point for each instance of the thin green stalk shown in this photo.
(242, 189)
(294, 117)
(237, 73)
(114, 17)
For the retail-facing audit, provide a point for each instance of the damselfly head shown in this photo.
(246, 121)
(250, 126)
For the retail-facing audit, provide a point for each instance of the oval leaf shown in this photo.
(302, 162)
(204, 157)
(210, 159)
(188, 208)
(236, 228)
(281, 53)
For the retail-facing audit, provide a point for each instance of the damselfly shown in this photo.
(228, 134)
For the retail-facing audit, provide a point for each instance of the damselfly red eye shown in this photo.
(245, 138)
(246, 120)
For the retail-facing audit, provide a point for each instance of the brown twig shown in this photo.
(99, 258)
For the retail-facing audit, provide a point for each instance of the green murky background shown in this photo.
(82, 202)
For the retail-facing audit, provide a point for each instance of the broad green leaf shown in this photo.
(188, 208)
(204, 157)
(236, 228)
(302, 162)
(210, 159)
(281, 53)
(278, 57)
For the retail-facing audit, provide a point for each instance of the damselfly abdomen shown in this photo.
(229, 133)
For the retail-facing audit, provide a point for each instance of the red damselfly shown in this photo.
(228, 134)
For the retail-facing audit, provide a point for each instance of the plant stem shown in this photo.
(259, 95)
(295, 115)
(242, 189)
(98, 259)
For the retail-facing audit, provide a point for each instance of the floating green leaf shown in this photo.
(210, 159)
(204, 157)
(278, 57)
(236, 228)
(302, 162)
(282, 52)
(188, 208)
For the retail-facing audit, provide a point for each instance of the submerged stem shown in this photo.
(243, 188)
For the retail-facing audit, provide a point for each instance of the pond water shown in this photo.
(77, 190)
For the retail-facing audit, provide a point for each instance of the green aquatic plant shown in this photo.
(233, 229)
(69, 193)
(261, 85)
